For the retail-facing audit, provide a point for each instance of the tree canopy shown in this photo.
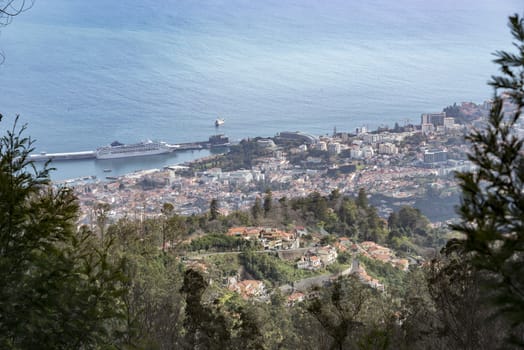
(60, 286)
(492, 206)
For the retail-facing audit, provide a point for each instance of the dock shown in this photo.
(191, 146)
(214, 141)
(44, 157)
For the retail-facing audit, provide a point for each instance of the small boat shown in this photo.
(107, 170)
(219, 121)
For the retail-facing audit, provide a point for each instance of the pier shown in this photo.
(214, 141)
(43, 157)
(190, 146)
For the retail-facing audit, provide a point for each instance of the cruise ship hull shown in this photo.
(131, 154)
(136, 150)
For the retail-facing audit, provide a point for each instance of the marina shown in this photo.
(72, 171)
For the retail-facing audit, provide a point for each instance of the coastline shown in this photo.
(90, 170)
(393, 162)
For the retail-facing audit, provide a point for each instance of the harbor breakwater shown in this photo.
(214, 141)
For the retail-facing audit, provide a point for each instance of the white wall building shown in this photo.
(321, 146)
(387, 148)
(449, 122)
(356, 153)
(367, 152)
(334, 148)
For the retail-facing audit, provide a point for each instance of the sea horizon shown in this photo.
(81, 78)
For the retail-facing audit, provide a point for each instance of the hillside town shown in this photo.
(404, 236)
(400, 164)
(314, 258)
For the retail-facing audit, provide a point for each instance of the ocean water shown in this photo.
(85, 73)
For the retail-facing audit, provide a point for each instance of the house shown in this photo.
(358, 271)
(327, 254)
(249, 288)
(317, 257)
(342, 244)
(248, 233)
(269, 238)
(274, 244)
(344, 241)
(381, 253)
(303, 264)
(402, 264)
(309, 262)
(300, 231)
(295, 298)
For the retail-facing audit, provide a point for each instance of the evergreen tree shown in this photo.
(335, 195)
(60, 289)
(152, 301)
(412, 220)
(459, 317)
(205, 327)
(393, 220)
(213, 209)
(284, 209)
(167, 211)
(256, 210)
(250, 334)
(101, 217)
(346, 310)
(362, 199)
(318, 206)
(492, 205)
(268, 202)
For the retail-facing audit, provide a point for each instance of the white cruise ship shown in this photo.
(119, 150)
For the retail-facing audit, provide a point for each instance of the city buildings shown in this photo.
(435, 156)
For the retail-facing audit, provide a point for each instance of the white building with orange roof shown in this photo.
(270, 238)
(309, 262)
(295, 298)
(327, 254)
(249, 288)
(248, 233)
(359, 271)
(402, 264)
(381, 253)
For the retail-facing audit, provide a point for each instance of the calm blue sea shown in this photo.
(85, 73)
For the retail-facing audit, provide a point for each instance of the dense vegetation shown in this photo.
(240, 156)
(460, 115)
(59, 285)
(125, 285)
(271, 268)
(220, 243)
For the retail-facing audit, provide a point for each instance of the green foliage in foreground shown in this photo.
(492, 206)
(60, 288)
(66, 288)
